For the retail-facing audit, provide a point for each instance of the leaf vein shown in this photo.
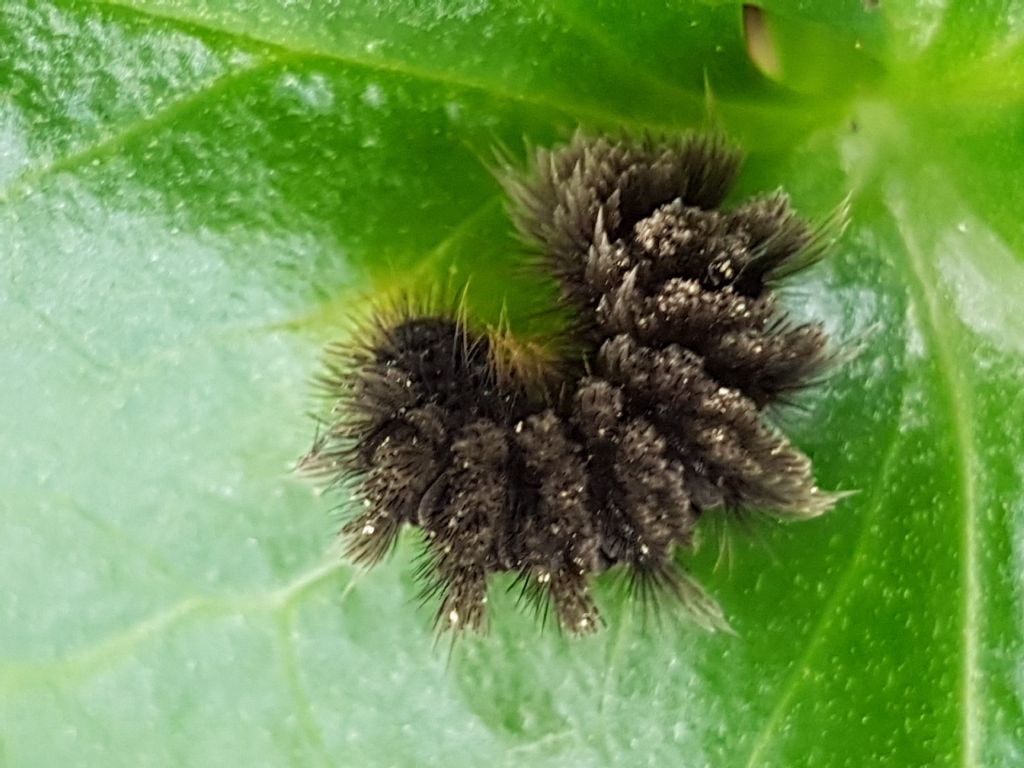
(300, 696)
(843, 587)
(941, 335)
(24, 183)
(285, 53)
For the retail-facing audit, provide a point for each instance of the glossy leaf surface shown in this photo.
(194, 196)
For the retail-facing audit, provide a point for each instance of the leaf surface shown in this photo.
(195, 195)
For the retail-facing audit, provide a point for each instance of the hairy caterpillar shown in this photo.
(683, 347)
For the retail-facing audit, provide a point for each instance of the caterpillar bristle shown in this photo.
(559, 203)
(536, 364)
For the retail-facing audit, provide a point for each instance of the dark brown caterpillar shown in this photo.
(683, 347)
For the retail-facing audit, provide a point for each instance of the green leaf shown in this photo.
(195, 194)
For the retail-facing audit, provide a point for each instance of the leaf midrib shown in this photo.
(942, 336)
(844, 587)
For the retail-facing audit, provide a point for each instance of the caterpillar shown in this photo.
(682, 347)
